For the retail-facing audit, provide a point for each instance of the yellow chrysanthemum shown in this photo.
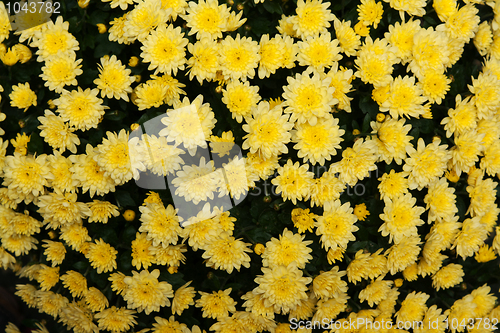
(485, 254)
(165, 49)
(183, 298)
(293, 181)
(282, 287)
(357, 162)
(216, 305)
(61, 70)
(470, 238)
(268, 131)
(54, 251)
(60, 167)
(413, 307)
(313, 17)
(145, 293)
(483, 38)
(161, 224)
(81, 108)
(462, 24)
(429, 51)
(411, 7)
(288, 248)
(204, 62)
(336, 226)
(349, 41)
(440, 200)
(115, 319)
(447, 277)
(75, 235)
(53, 38)
(90, 175)
(462, 118)
(5, 26)
(271, 55)
(240, 98)
(113, 157)
(319, 142)
(392, 139)
(426, 163)
(227, 253)
(486, 94)
(22, 96)
(123, 4)
(403, 254)
(435, 85)
(400, 37)
(57, 133)
(189, 124)
(482, 196)
(26, 175)
(114, 79)
(206, 19)
(444, 8)
(319, 52)
(143, 19)
(401, 218)
(75, 282)
(102, 256)
(375, 292)
(117, 30)
(239, 57)
(308, 98)
(370, 12)
(405, 98)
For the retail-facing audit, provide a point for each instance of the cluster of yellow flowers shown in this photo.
(310, 45)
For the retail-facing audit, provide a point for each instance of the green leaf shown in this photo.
(272, 7)
(81, 265)
(115, 115)
(36, 144)
(98, 16)
(124, 199)
(366, 124)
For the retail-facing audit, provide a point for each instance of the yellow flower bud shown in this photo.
(51, 104)
(102, 28)
(380, 117)
(259, 249)
(134, 61)
(356, 132)
(23, 52)
(83, 3)
(173, 269)
(10, 58)
(129, 215)
(137, 78)
(134, 126)
(398, 282)
(361, 29)
(218, 89)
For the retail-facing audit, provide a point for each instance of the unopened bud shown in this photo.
(83, 3)
(102, 28)
(134, 61)
(259, 249)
